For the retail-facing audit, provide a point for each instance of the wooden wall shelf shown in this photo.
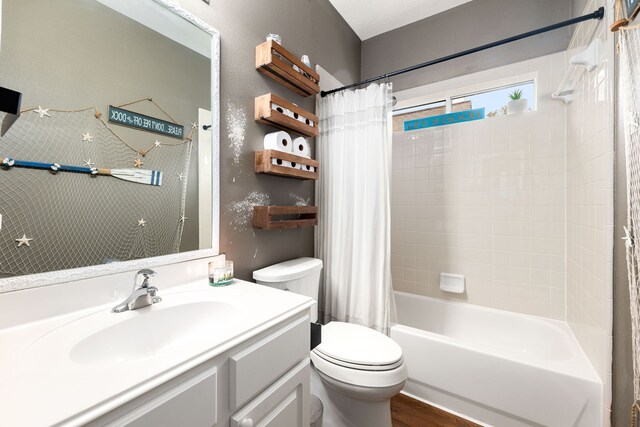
(264, 217)
(280, 68)
(263, 164)
(265, 113)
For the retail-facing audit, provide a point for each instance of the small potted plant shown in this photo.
(517, 103)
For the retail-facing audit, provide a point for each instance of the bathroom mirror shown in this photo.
(113, 162)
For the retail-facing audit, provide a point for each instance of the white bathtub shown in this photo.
(496, 367)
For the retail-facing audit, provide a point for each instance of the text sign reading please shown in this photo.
(444, 119)
(140, 121)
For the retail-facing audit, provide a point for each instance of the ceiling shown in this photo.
(368, 18)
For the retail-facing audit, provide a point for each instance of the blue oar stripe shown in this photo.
(39, 165)
(155, 178)
(32, 164)
(74, 169)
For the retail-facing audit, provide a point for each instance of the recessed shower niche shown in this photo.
(105, 161)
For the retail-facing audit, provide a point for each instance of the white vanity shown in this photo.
(204, 356)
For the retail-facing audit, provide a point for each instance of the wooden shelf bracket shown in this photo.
(284, 217)
(275, 62)
(300, 121)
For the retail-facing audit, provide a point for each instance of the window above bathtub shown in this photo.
(495, 100)
(474, 102)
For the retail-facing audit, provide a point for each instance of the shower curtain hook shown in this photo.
(388, 81)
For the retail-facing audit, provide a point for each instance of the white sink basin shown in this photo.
(104, 337)
(151, 331)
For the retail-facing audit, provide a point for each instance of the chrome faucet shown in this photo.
(142, 295)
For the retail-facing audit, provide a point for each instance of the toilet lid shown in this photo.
(358, 347)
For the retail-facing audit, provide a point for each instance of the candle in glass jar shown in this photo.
(220, 274)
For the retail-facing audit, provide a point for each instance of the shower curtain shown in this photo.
(353, 196)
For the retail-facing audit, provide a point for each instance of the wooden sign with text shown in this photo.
(143, 122)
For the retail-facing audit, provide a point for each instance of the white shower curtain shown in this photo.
(353, 195)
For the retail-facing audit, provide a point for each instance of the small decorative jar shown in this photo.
(220, 274)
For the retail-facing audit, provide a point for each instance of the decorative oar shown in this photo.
(141, 176)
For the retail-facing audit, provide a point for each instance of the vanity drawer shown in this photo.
(285, 403)
(257, 366)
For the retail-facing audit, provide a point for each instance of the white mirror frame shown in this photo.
(55, 277)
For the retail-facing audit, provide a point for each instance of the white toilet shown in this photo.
(356, 370)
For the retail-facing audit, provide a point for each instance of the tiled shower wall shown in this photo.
(590, 163)
(521, 205)
(486, 199)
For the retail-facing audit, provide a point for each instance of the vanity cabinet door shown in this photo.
(284, 404)
(191, 403)
(254, 368)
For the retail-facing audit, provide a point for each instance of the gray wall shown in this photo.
(622, 350)
(310, 27)
(464, 27)
(577, 7)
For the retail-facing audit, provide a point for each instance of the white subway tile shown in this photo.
(522, 205)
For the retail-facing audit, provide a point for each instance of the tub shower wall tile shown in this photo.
(486, 199)
(590, 203)
(522, 205)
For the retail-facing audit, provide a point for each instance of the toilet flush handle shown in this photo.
(247, 422)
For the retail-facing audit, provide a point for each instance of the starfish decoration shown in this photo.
(180, 176)
(142, 222)
(137, 163)
(42, 111)
(88, 163)
(87, 137)
(194, 125)
(157, 143)
(24, 240)
(183, 218)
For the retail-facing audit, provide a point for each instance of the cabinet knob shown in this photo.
(247, 422)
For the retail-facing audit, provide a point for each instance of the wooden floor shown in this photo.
(408, 412)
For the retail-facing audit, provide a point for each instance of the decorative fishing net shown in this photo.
(630, 82)
(77, 219)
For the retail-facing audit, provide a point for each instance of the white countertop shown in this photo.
(41, 385)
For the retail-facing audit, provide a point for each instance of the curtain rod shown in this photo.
(598, 14)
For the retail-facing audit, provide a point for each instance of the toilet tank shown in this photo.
(301, 275)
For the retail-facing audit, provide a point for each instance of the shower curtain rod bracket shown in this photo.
(598, 14)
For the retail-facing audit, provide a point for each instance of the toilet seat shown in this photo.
(357, 355)
(358, 347)
(359, 377)
(359, 366)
